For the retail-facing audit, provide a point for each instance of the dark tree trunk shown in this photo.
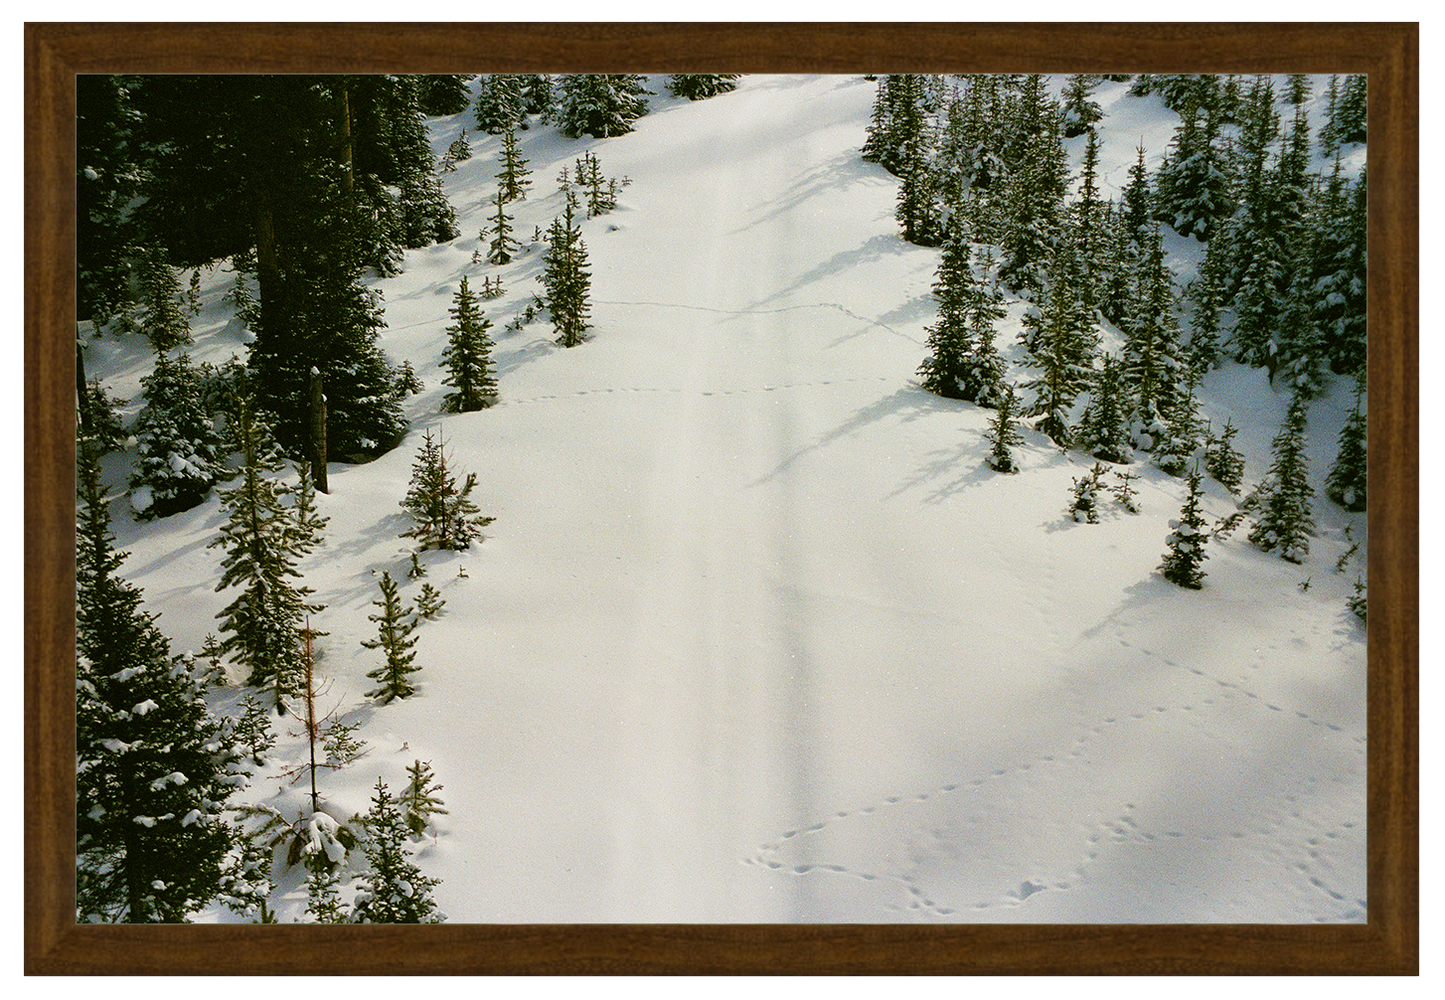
(318, 432)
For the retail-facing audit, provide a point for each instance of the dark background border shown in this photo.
(1388, 944)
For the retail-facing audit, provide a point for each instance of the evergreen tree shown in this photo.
(420, 801)
(429, 602)
(309, 521)
(1138, 207)
(1352, 112)
(394, 891)
(1003, 433)
(1285, 520)
(1329, 141)
(1151, 352)
(153, 766)
(108, 181)
(1297, 89)
(467, 357)
(446, 517)
(459, 151)
(308, 180)
(1208, 294)
(512, 182)
(1357, 601)
(1063, 342)
(1085, 505)
(1103, 430)
(163, 316)
(698, 86)
(1193, 184)
(425, 215)
(1034, 193)
(1176, 450)
(502, 247)
(395, 625)
(253, 730)
(264, 625)
(1080, 110)
(1336, 273)
(499, 104)
(1259, 129)
(443, 93)
(964, 363)
(538, 97)
(178, 457)
(600, 104)
(1186, 542)
(246, 881)
(1088, 213)
(898, 122)
(323, 895)
(565, 277)
(1347, 478)
(1124, 493)
(98, 418)
(1223, 461)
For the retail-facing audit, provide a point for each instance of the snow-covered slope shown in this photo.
(756, 635)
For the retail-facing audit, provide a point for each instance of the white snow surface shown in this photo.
(756, 635)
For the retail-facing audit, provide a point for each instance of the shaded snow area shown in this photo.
(756, 634)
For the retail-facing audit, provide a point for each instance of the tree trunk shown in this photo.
(318, 432)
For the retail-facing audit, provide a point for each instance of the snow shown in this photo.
(756, 635)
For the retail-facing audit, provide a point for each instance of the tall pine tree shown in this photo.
(263, 627)
(153, 766)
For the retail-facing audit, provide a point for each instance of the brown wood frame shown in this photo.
(1388, 944)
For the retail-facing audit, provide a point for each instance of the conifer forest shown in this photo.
(716, 498)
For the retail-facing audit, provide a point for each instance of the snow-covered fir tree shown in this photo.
(1346, 484)
(1222, 460)
(1084, 507)
(1285, 520)
(963, 362)
(502, 246)
(393, 889)
(446, 517)
(1081, 111)
(699, 86)
(163, 313)
(1103, 431)
(1185, 541)
(177, 444)
(1003, 432)
(499, 104)
(429, 602)
(600, 104)
(154, 767)
(1063, 341)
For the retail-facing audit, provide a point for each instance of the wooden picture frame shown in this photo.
(1388, 944)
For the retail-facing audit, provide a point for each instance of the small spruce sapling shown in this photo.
(395, 625)
(1357, 601)
(1085, 507)
(1222, 461)
(420, 801)
(1186, 541)
(1123, 492)
(393, 889)
(429, 602)
(1004, 433)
